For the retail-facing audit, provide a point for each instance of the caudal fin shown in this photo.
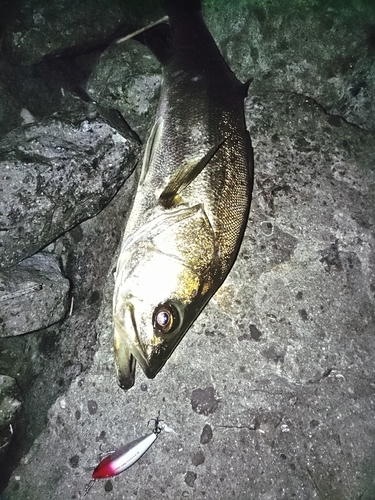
(177, 6)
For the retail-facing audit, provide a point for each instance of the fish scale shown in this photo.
(192, 201)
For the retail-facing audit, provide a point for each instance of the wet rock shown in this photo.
(57, 173)
(39, 29)
(197, 458)
(272, 353)
(92, 406)
(250, 332)
(9, 111)
(108, 486)
(206, 435)
(335, 68)
(74, 461)
(190, 478)
(274, 248)
(128, 77)
(33, 295)
(9, 407)
(204, 401)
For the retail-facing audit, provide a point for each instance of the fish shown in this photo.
(193, 197)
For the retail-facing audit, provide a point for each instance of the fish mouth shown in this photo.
(151, 354)
(126, 380)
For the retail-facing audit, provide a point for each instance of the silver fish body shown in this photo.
(191, 205)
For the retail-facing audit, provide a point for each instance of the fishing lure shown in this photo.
(125, 456)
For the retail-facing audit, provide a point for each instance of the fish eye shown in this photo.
(165, 318)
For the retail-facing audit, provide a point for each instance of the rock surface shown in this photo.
(45, 362)
(128, 77)
(9, 407)
(33, 295)
(55, 174)
(40, 30)
(325, 53)
(289, 334)
(271, 393)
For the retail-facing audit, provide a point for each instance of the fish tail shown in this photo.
(182, 6)
(159, 36)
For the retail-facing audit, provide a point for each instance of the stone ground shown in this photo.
(272, 392)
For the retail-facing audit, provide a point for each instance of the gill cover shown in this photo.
(161, 283)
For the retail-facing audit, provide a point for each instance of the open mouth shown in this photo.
(132, 345)
(151, 363)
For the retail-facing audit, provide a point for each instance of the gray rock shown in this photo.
(190, 478)
(324, 54)
(39, 91)
(45, 29)
(9, 111)
(128, 77)
(46, 361)
(9, 407)
(294, 419)
(197, 458)
(204, 401)
(33, 295)
(288, 340)
(56, 174)
(206, 435)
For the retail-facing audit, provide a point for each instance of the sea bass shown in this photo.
(192, 202)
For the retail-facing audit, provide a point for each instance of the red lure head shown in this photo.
(104, 469)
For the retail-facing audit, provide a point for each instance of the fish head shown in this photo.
(162, 283)
(155, 311)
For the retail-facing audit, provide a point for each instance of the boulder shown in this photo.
(9, 408)
(57, 173)
(33, 295)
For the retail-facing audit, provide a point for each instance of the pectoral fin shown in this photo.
(182, 178)
(158, 224)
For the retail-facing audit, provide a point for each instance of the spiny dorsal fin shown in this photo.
(171, 195)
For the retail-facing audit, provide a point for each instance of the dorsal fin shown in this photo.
(245, 87)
